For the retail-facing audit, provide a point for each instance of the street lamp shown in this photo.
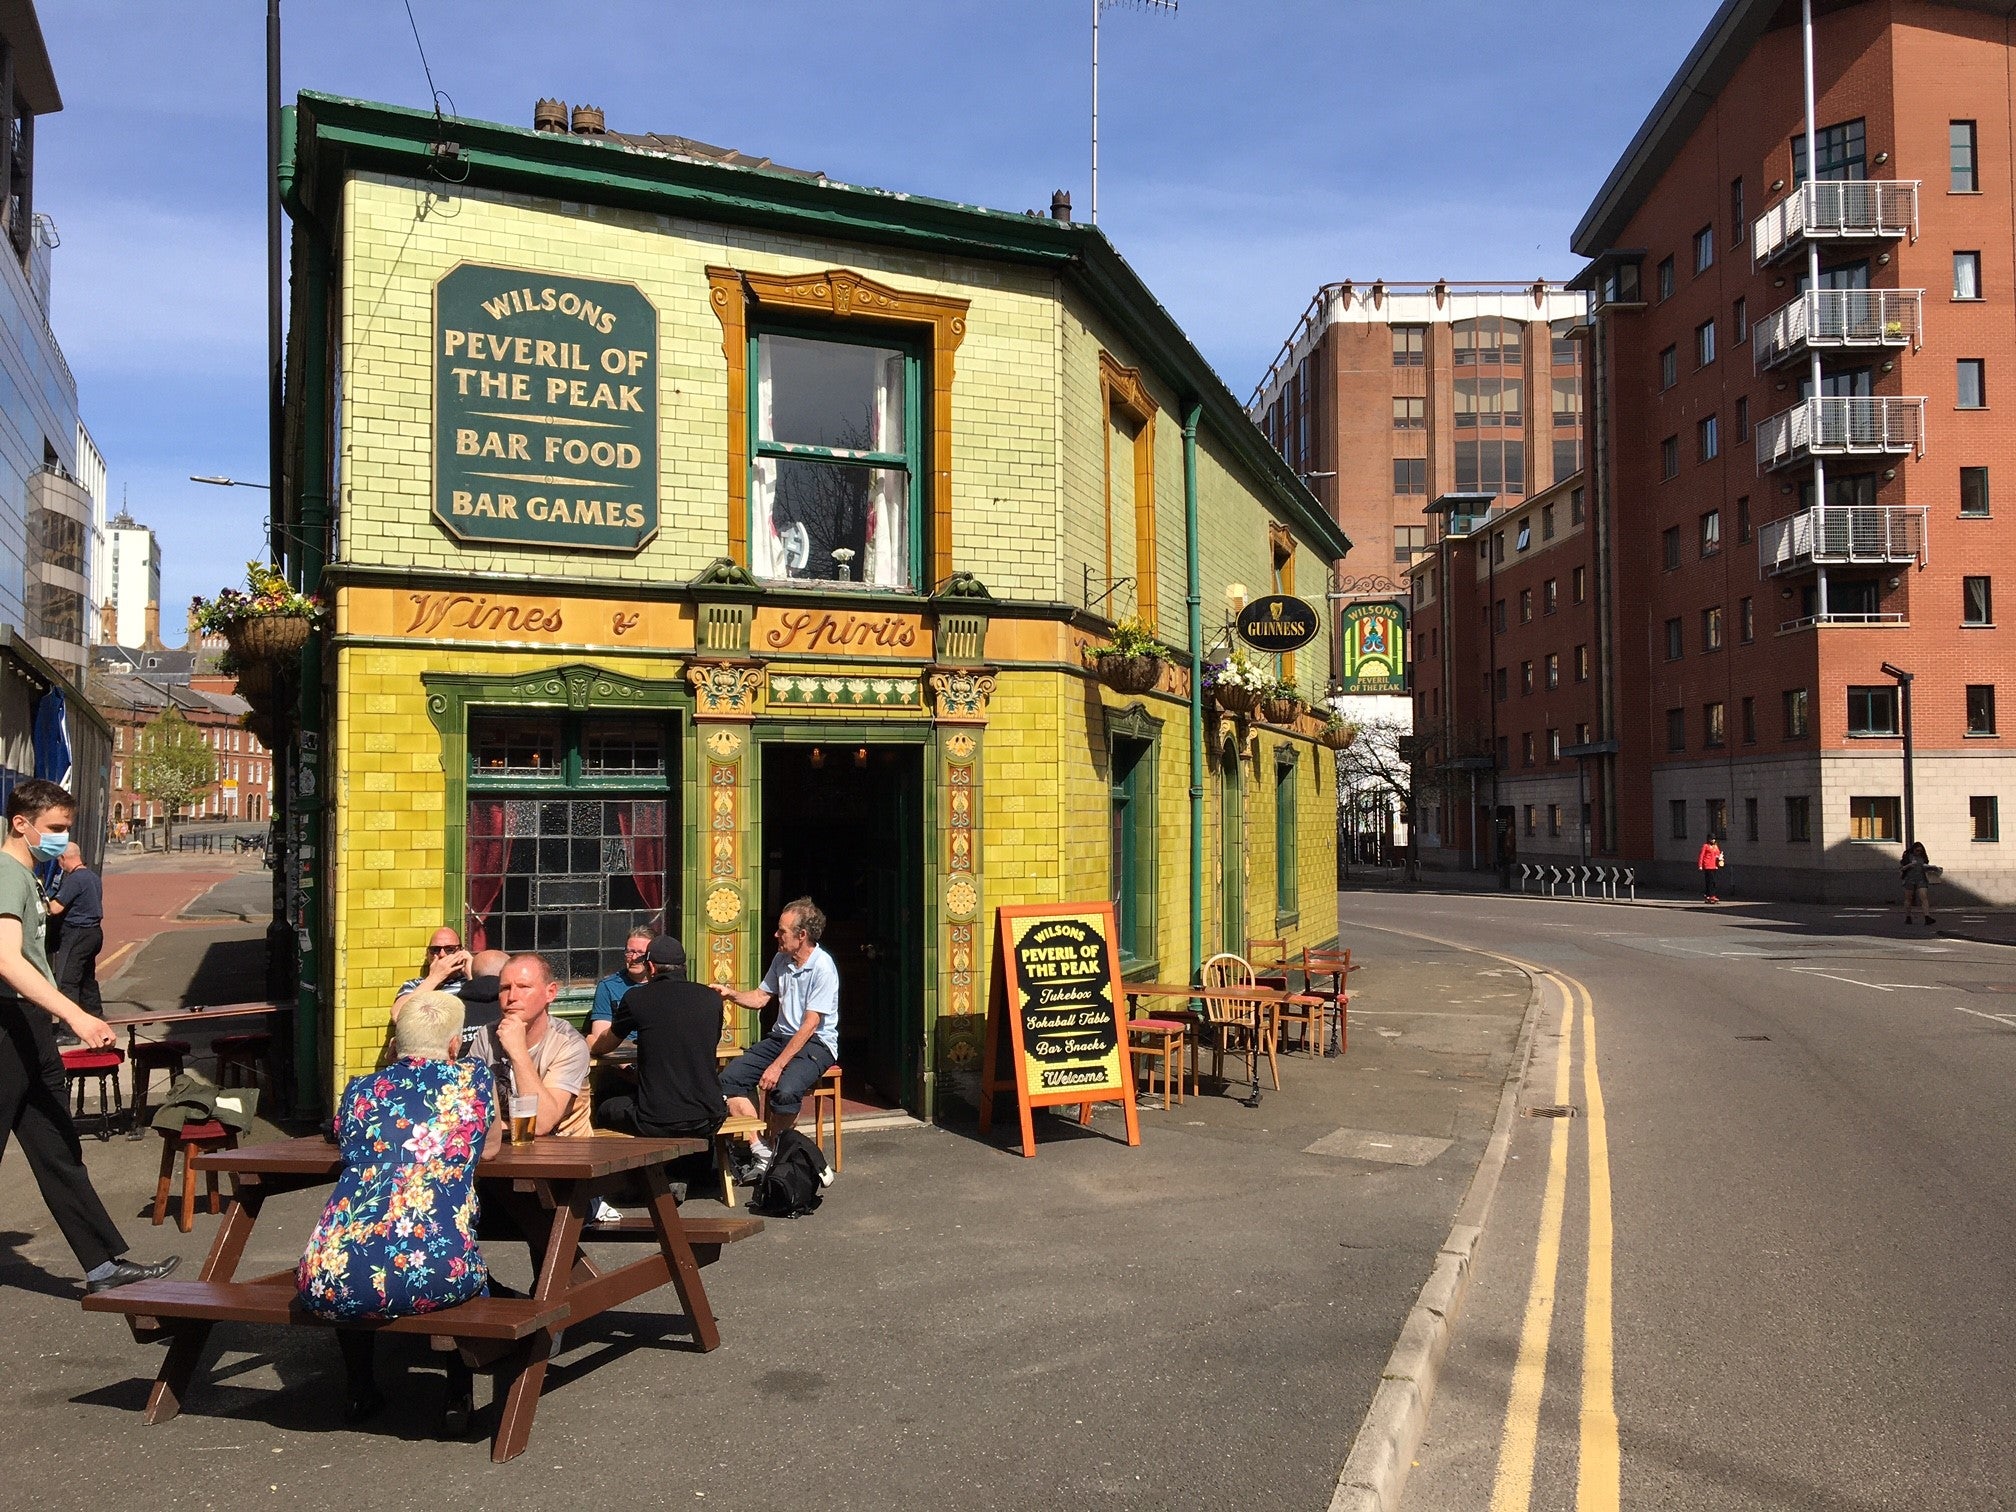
(223, 482)
(1904, 680)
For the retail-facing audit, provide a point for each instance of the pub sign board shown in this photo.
(1375, 648)
(1278, 622)
(545, 410)
(1056, 1015)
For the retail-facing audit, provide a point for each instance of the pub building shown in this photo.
(701, 533)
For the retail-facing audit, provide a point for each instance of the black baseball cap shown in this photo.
(665, 950)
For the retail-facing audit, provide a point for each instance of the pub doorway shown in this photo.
(843, 824)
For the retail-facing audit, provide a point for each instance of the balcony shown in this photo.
(1835, 210)
(1838, 320)
(1841, 426)
(1842, 535)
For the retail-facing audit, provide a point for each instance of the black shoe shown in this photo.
(125, 1273)
(460, 1404)
(364, 1404)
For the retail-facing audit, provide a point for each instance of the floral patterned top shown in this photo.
(399, 1235)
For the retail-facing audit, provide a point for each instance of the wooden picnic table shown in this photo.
(1266, 1002)
(131, 1023)
(548, 1187)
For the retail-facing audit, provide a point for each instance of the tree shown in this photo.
(1371, 772)
(172, 765)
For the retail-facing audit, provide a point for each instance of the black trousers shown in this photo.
(76, 966)
(34, 1106)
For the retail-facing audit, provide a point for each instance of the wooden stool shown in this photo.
(150, 1056)
(190, 1139)
(732, 1128)
(241, 1059)
(825, 1094)
(103, 1065)
(1164, 1038)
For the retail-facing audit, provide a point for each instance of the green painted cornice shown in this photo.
(335, 135)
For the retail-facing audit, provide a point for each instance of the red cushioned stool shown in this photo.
(189, 1140)
(1149, 1038)
(80, 1065)
(150, 1056)
(241, 1059)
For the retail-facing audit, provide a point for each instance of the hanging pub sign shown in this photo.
(1277, 622)
(1056, 1018)
(545, 410)
(1375, 648)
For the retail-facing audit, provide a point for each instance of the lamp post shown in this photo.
(1904, 680)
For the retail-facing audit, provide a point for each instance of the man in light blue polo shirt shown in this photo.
(805, 1040)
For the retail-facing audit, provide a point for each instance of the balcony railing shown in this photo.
(1838, 320)
(1847, 535)
(1836, 210)
(1844, 619)
(1841, 426)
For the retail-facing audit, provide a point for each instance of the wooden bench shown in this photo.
(152, 1306)
(702, 1233)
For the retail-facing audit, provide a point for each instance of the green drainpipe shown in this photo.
(1194, 610)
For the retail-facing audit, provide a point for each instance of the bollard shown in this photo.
(1631, 881)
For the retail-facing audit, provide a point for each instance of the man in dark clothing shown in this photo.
(78, 907)
(678, 1025)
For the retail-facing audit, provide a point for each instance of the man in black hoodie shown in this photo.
(678, 1025)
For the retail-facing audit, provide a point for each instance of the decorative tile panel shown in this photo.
(813, 690)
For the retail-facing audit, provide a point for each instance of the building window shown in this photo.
(833, 481)
(1503, 694)
(1286, 871)
(1738, 223)
(1669, 546)
(1798, 819)
(1554, 819)
(1676, 729)
(1675, 647)
(1546, 522)
(1704, 343)
(1489, 341)
(1498, 555)
(1669, 457)
(1581, 664)
(1750, 820)
(1676, 815)
(1567, 458)
(1742, 421)
(1711, 532)
(1526, 749)
(1575, 506)
(1131, 763)
(1525, 538)
(1410, 345)
(1529, 819)
(1739, 320)
(1553, 745)
(1491, 467)
(1985, 815)
(1708, 438)
(1795, 702)
(1980, 708)
(1567, 392)
(1525, 677)
(1974, 491)
(1525, 606)
(1841, 150)
(1746, 621)
(1872, 710)
(1743, 519)
(1669, 367)
(1410, 412)
(1578, 582)
(1747, 710)
(1714, 731)
(1409, 541)
(1498, 614)
(1550, 595)
(1704, 249)
(1715, 817)
(1977, 601)
(1872, 818)
(1966, 275)
(1711, 629)
(1553, 670)
(1410, 475)
(1963, 172)
(1971, 383)
(1491, 403)
(1666, 278)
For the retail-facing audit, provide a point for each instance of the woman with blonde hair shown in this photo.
(399, 1235)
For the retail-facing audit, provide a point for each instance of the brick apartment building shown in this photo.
(131, 701)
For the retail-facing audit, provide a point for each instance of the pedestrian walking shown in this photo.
(1916, 870)
(78, 907)
(1712, 862)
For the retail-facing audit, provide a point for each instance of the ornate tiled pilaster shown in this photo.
(724, 689)
(959, 694)
(724, 702)
(961, 1013)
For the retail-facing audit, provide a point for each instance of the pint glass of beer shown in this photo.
(524, 1120)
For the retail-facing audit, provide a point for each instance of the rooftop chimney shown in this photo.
(108, 622)
(153, 640)
(550, 115)
(1060, 205)
(588, 120)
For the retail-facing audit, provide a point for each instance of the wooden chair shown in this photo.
(241, 1060)
(1150, 1038)
(1234, 1025)
(1327, 974)
(1268, 955)
(189, 1140)
(825, 1098)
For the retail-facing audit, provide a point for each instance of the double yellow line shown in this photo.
(1597, 1482)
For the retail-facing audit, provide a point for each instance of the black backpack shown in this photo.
(792, 1186)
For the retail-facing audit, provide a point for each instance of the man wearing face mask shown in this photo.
(33, 1100)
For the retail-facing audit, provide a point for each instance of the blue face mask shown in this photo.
(52, 845)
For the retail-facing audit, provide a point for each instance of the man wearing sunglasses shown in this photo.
(445, 969)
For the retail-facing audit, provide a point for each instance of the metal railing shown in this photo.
(1842, 534)
(1845, 619)
(1844, 426)
(1836, 210)
(1838, 320)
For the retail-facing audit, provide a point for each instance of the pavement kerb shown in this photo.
(1375, 1471)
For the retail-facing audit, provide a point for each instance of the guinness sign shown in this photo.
(1278, 622)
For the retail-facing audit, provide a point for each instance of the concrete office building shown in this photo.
(134, 581)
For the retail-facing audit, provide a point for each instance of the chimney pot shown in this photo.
(1060, 205)
(550, 115)
(588, 120)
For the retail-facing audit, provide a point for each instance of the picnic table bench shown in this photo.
(546, 1188)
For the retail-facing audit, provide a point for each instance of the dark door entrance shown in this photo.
(844, 826)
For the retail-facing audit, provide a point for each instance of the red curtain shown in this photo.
(642, 826)
(488, 853)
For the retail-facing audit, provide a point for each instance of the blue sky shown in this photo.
(1250, 150)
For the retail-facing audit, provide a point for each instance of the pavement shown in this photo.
(1202, 1321)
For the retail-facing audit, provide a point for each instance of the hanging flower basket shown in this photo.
(1338, 736)
(268, 638)
(258, 680)
(1140, 673)
(266, 621)
(1234, 699)
(263, 727)
(1281, 708)
(1236, 683)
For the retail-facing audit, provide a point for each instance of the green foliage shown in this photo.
(265, 593)
(172, 765)
(1132, 638)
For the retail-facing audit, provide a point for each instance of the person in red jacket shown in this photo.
(1711, 864)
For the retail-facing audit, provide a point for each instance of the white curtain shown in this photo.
(888, 564)
(766, 551)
